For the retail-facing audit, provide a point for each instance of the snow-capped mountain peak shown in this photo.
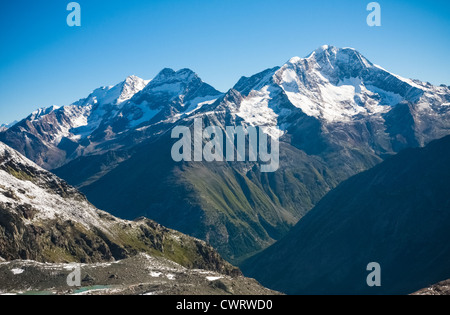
(336, 84)
(130, 87)
(170, 82)
(333, 85)
(42, 112)
(168, 74)
(115, 95)
(4, 127)
(333, 63)
(169, 95)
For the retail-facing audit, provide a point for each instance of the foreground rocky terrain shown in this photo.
(141, 274)
(442, 288)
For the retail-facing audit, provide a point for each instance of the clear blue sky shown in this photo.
(44, 62)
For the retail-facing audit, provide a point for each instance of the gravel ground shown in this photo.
(442, 288)
(139, 275)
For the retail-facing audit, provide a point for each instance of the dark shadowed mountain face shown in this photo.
(336, 114)
(396, 214)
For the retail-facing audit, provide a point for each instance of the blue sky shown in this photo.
(44, 62)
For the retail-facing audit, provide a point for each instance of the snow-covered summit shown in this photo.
(174, 83)
(130, 87)
(115, 95)
(4, 127)
(168, 96)
(170, 75)
(106, 113)
(332, 84)
(42, 112)
(335, 86)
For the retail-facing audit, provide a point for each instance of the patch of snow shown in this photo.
(170, 276)
(255, 111)
(199, 102)
(70, 267)
(387, 98)
(17, 271)
(173, 88)
(155, 274)
(49, 205)
(146, 114)
(161, 264)
(213, 278)
(176, 237)
(87, 292)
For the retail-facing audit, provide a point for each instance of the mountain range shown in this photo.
(335, 113)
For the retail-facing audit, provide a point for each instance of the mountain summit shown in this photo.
(114, 95)
(335, 85)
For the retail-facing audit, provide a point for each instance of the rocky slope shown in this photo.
(441, 288)
(45, 220)
(139, 275)
(335, 113)
(396, 214)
